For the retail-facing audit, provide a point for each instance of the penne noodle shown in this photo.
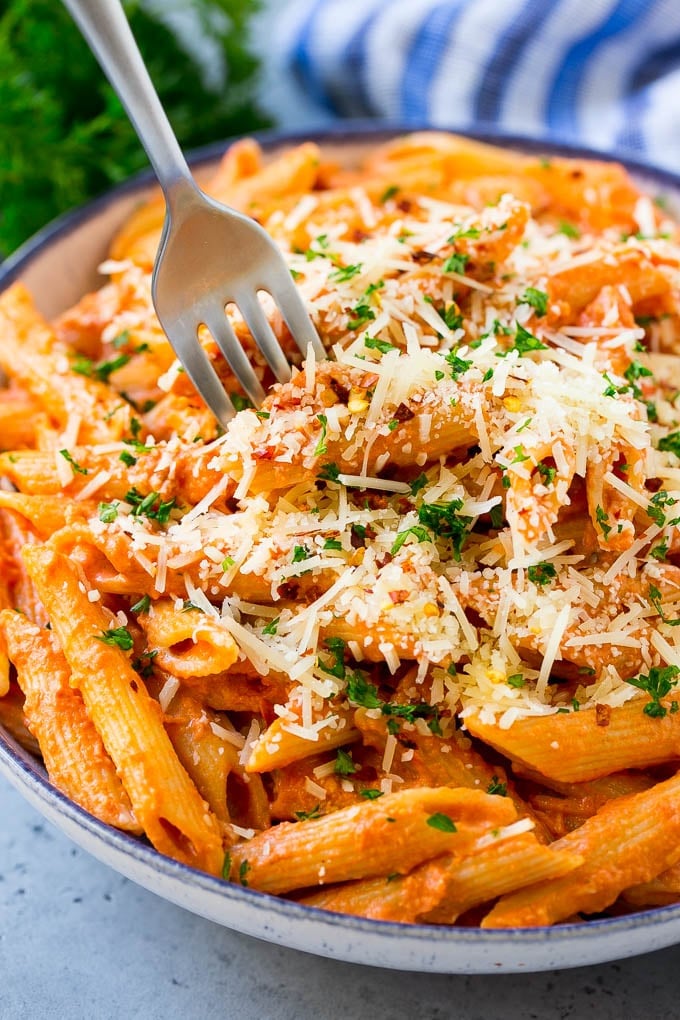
(163, 798)
(629, 841)
(395, 833)
(73, 752)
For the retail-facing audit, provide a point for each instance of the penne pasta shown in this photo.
(163, 798)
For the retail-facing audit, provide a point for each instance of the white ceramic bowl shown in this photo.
(58, 266)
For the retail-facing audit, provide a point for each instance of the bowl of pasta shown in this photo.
(387, 670)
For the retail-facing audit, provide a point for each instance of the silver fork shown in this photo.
(209, 255)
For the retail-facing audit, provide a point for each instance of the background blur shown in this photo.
(604, 73)
(63, 134)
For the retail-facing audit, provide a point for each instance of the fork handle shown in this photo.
(106, 29)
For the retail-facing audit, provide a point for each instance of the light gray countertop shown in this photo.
(78, 942)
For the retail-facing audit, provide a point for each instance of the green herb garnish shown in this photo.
(538, 299)
(657, 684)
(108, 512)
(442, 822)
(497, 788)
(74, 464)
(456, 263)
(344, 766)
(120, 637)
(542, 573)
(142, 606)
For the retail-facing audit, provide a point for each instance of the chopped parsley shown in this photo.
(362, 313)
(374, 287)
(370, 794)
(418, 483)
(457, 364)
(516, 680)
(108, 512)
(660, 551)
(657, 504)
(389, 192)
(329, 473)
(74, 464)
(634, 372)
(602, 519)
(105, 369)
(227, 562)
(336, 668)
(655, 599)
(304, 816)
(520, 455)
(657, 684)
(271, 627)
(496, 516)
(142, 606)
(127, 458)
(120, 637)
(442, 822)
(240, 402)
(409, 713)
(151, 506)
(445, 522)
(300, 553)
(497, 788)
(464, 233)
(361, 692)
(373, 344)
(524, 342)
(343, 765)
(670, 443)
(332, 544)
(144, 664)
(451, 316)
(569, 230)
(188, 605)
(546, 472)
(538, 299)
(320, 251)
(344, 273)
(422, 534)
(542, 573)
(456, 263)
(226, 866)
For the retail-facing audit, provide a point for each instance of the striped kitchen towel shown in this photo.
(602, 73)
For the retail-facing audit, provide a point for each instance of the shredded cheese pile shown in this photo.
(470, 485)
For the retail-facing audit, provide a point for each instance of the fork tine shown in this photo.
(226, 340)
(258, 324)
(197, 366)
(287, 297)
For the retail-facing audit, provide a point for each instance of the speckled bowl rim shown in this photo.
(371, 942)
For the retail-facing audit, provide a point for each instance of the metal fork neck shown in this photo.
(104, 25)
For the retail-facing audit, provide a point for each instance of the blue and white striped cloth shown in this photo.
(602, 73)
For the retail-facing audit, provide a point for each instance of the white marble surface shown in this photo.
(78, 942)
